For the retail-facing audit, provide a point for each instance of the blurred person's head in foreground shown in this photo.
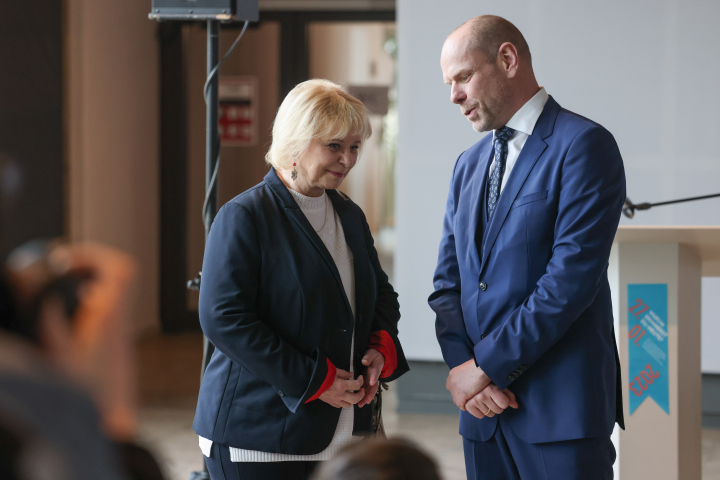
(66, 381)
(68, 303)
(41, 293)
(377, 459)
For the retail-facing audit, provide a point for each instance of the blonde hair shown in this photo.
(314, 109)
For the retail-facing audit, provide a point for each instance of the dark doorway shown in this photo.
(32, 170)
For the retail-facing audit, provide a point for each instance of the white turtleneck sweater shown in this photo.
(321, 215)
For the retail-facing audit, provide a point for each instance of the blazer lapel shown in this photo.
(531, 152)
(479, 192)
(294, 212)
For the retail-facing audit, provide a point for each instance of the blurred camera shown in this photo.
(41, 270)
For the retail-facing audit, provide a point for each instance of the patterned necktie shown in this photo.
(500, 147)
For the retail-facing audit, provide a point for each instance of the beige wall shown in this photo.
(113, 135)
(257, 54)
(352, 54)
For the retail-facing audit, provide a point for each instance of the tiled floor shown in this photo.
(170, 371)
(167, 431)
(710, 454)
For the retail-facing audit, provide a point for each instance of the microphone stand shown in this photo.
(212, 147)
(629, 207)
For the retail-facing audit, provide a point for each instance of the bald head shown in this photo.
(486, 62)
(487, 33)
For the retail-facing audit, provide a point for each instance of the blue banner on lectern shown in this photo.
(648, 345)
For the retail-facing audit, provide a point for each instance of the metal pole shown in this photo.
(211, 126)
(629, 207)
(683, 200)
(212, 146)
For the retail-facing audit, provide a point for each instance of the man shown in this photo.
(524, 317)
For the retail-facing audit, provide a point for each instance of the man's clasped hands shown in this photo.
(473, 391)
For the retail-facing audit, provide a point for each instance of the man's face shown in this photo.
(480, 88)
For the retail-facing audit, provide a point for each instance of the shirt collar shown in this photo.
(525, 119)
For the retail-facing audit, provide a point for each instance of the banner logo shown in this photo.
(648, 345)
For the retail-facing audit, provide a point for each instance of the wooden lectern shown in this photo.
(655, 278)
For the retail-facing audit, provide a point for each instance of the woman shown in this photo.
(294, 299)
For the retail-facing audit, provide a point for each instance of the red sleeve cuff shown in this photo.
(329, 379)
(383, 343)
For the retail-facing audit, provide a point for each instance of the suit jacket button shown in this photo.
(482, 286)
(511, 378)
(482, 336)
(281, 393)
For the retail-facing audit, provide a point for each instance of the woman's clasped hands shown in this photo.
(346, 391)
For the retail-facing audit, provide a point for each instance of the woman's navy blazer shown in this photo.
(273, 304)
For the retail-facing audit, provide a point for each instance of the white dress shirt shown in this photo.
(523, 122)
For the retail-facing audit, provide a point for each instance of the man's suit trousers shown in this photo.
(506, 457)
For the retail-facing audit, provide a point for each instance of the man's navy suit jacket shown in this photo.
(273, 304)
(526, 294)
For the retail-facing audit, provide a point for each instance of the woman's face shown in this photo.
(325, 164)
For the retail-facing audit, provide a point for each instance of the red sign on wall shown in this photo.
(237, 116)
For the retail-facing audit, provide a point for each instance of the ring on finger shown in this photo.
(488, 412)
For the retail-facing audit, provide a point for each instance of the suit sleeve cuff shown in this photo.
(383, 343)
(456, 353)
(489, 363)
(329, 379)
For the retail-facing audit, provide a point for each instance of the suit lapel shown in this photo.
(531, 152)
(533, 148)
(479, 192)
(296, 214)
